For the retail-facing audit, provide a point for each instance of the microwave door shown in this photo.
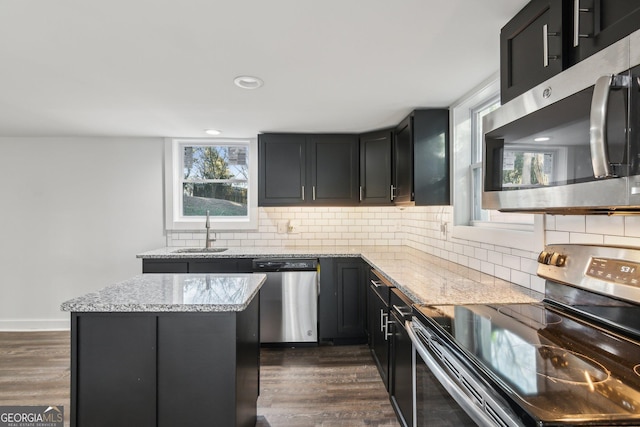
(548, 161)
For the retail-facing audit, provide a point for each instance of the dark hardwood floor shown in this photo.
(322, 386)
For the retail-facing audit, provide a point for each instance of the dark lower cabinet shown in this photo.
(165, 369)
(402, 357)
(197, 265)
(378, 296)
(342, 304)
(113, 371)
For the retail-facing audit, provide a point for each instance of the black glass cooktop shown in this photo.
(557, 367)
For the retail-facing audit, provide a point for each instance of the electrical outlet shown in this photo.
(443, 228)
(283, 227)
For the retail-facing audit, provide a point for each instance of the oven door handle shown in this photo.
(474, 411)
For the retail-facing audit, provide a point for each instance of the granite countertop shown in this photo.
(172, 293)
(425, 278)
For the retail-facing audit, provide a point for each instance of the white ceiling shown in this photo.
(166, 67)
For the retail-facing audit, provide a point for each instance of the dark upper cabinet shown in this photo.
(548, 36)
(421, 158)
(403, 162)
(282, 169)
(533, 46)
(334, 165)
(601, 23)
(299, 169)
(375, 168)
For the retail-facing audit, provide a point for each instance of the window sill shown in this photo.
(532, 240)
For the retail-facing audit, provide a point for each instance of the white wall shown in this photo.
(74, 213)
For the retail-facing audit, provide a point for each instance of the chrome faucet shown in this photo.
(209, 240)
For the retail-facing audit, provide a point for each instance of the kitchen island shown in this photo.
(166, 350)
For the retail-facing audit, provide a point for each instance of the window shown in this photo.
(214, 176)
(471, 222)
(493, 218)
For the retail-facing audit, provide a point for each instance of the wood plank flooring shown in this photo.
(322, 386)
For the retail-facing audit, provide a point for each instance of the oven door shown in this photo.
(566, 145)
(445, 392)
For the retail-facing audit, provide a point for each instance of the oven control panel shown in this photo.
(607, 270)
(614, 270)
(552, 258)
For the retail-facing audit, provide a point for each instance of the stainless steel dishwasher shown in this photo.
(288, 300)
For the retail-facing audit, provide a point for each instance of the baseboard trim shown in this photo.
(12, 325)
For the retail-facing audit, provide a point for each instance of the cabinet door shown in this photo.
(165, 266)
(282, 173)
(222, 265)
(403, 162)
(375, 168)
(601, 23)
(431, 157)
(342, 301)
(351, 299)
(114, 353)
(533, 46)
(377, 315)
(334, 169)
(402, 355)
(196, 360)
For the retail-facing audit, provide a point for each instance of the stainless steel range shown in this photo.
(573, 359)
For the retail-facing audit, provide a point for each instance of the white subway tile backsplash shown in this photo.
(602, 224)
(419, 227)
(575, 223)
(552, 237)
(622, 241)
(586, 239)
(511, 261)
(632, 226)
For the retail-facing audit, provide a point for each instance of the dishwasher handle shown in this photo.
(280, 264)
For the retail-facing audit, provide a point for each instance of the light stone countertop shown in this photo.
(425, 278)
(172, 293)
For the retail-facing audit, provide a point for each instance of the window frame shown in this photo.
(174, 161)
(518, 236)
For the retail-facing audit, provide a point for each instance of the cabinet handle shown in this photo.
(383, 322)
(545, 45)
(402, 311)
(388, 335)
(393, 193)
(361, 193)
(303, 193)
(376, 283)
(313, 192)
(576, 22)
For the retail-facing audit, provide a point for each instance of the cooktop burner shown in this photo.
(566, 366)
(561, 369)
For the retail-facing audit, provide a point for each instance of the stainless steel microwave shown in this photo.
(571, 144)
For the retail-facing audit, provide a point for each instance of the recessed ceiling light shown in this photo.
(541, 139)
(213, 132)
(248, 82)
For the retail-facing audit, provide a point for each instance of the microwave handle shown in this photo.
(598, 128)
(598, 123)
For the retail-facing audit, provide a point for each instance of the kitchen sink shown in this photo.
(199, 250)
